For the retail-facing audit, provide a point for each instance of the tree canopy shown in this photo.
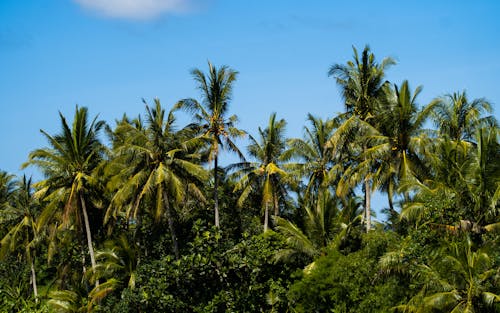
(131, 222)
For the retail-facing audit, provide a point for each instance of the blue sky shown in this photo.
(108, 54)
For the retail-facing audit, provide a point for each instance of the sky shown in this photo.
(109, 54)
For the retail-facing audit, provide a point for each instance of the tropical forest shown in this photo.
(146, 214)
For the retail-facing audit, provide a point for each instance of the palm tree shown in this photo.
(72, 301)
(7, 185)
(485, 176)
(118, 262)
(153, 162)
(266, 174)
(25, 232)
(116, 267)
(210, 116)
(7, 188)
(459, 279)
(466, 177)
(399, 144)
(326, 225)
(68, 165)
(361, 82)
(458, 118)
(316, 157)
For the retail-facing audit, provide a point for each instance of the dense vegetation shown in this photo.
(153, 223)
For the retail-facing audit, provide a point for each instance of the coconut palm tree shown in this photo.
(399, 144)
(7, 186)
(67, 165)
(116, 267)
(458, 118)
(155, 162)
(485, 176)
(459, 279)
(316, 159)
(76, 300)
(267, 173)
(361, 82)
(326, 225)
(24, 232)
(210, 117)
(467, 177)
(117, 262)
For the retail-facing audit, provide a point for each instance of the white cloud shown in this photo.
(137, 9)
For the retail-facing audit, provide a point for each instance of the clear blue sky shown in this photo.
(108, 54)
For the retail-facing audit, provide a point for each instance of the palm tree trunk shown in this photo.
(391, 205)
(368, 215)
(32, 265)
(276, 204)
(89, 236)
(367, 187)
(33, 278)
(216, 198)
(266, 217)
(170, 221)
(407, 197)
(390, 195)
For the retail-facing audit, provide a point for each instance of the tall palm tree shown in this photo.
(458, 118)
(399, 143)
(211, 116)
(316, 158)
(361, 82)
(485, 176)
(266, 173)
(25, 232)
(468, 177)
(7, 186)
(153, 162)
(67, 166)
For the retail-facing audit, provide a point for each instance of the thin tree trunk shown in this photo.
(84, 267)
(82, 236)
(33, 278)
(391, 205)
(390, 195)
(368, 214)
(32, 264)
(89, 237)
(407, 197)
(171, 227)
(276, 205)
(266, 216)
(216, 198)
(138, 237)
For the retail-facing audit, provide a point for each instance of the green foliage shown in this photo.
(348, 283)
(458, 278)
(213, 277)
(14, 286)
